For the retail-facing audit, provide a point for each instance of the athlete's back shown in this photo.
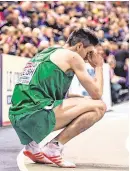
(41, 84)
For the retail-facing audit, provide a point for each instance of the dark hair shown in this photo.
(84, 35)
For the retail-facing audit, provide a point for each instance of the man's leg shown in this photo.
(77, 115)
(72, 108)
(77, 126)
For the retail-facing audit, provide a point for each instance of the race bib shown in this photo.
(28, 73)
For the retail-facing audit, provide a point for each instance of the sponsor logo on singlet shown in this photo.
(28, 72)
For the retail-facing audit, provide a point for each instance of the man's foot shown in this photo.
(37, 158)
(53, 152)
(34, 152)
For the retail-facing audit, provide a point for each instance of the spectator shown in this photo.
(44, 24)
(23, 8)
(28, 50)
(108, 19)
(43, 45)
(1, 51)
(126, 68)
(121, 55)
(6, 48)
(116, 81)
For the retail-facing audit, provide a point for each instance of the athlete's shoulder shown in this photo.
(67, 55)
(73, 56)
(70, 54)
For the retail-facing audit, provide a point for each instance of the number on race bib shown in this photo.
(28, 73)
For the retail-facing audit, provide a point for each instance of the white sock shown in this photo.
(33, 147)
(53, 148)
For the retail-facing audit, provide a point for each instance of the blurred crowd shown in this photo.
(29, 27)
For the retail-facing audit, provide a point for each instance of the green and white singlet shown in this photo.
(41, 87)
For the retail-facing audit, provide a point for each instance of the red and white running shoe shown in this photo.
(53, 152)
(37, 158)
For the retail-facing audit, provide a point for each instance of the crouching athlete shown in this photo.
(39, 105)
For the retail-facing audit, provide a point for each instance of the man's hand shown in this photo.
(95, 59)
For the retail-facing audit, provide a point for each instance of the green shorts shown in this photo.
(34, 127)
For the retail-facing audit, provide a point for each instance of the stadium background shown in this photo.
(29, 27)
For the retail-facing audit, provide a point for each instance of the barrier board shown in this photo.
(12, 66)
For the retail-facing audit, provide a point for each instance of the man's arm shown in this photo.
(94, 86)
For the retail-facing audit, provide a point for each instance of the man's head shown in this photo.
(83, 41)
(111, 61)
(125, 46)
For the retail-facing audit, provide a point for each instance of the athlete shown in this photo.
(39, 105)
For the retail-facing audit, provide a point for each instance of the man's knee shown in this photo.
(100, 110)
(103, 107)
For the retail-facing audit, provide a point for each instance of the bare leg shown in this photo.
(72, 108)
(78, 126)
(77, 115)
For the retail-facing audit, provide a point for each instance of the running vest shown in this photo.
(41, 84)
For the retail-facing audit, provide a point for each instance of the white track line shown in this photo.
(21, 162)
